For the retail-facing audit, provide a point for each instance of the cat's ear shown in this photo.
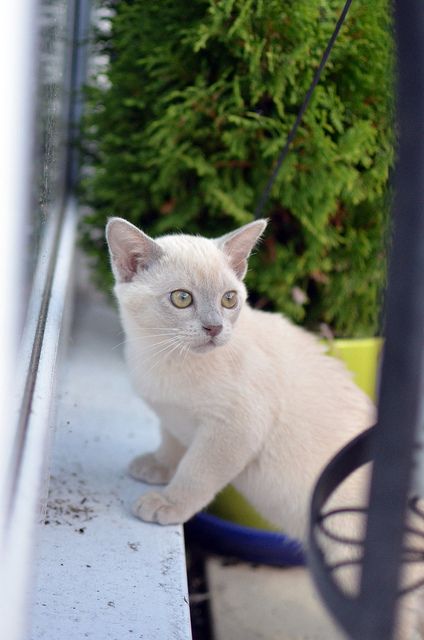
(237, 245)
(131, 250)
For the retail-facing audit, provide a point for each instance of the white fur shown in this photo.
(261, 406)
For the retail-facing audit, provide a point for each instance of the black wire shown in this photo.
(322, 525)
(409, 554)
(344, 563)
(344, 511)
(336, 537)
(415, 507)
(292, 133)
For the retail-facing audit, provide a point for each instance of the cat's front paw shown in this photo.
(156, 507)
(147, 469)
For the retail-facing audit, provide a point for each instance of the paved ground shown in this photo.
(266, 603)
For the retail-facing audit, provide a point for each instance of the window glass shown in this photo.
(48, 167)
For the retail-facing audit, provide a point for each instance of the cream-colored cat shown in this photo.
(244, 397)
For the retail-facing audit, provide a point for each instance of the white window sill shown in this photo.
(100, 572)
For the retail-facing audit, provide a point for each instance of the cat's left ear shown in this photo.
(237, 245)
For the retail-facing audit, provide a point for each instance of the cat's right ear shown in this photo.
(131, 250)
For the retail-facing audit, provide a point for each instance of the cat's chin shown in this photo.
(205, 348)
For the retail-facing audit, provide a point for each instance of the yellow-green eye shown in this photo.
(181, 298)
(229, 299)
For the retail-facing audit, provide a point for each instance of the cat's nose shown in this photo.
(213, 329)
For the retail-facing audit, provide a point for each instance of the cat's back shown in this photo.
(316, 409)
(308, 381)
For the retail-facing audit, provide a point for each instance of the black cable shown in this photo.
(292, 133)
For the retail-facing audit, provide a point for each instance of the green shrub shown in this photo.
(198, 102)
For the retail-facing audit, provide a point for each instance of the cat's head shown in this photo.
(182, 286)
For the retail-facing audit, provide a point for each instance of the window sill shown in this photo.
(100, 572)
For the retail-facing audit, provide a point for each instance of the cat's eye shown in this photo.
(229, 299)
(181, 299)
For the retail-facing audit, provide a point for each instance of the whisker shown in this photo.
(158, 344)
(181, 351)
(167, 329)
(170, 342)
(187, 351)
(161, 359)
(141, 338)
(146, 328)
(185, 348)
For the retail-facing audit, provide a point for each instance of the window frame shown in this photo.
(31, 339)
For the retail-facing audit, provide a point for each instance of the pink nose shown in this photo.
(213, 329)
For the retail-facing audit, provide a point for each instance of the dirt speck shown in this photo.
(166, 563)
(69, 509)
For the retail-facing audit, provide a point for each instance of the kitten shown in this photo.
(244, 396)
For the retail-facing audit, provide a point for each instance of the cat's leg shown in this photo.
(159, 466)
(216, 455)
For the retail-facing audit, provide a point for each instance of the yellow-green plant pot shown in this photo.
(361, 357)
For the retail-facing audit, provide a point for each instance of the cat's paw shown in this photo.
(156, 507)
(147, 469)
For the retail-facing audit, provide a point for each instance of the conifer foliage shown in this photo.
(184, 127)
